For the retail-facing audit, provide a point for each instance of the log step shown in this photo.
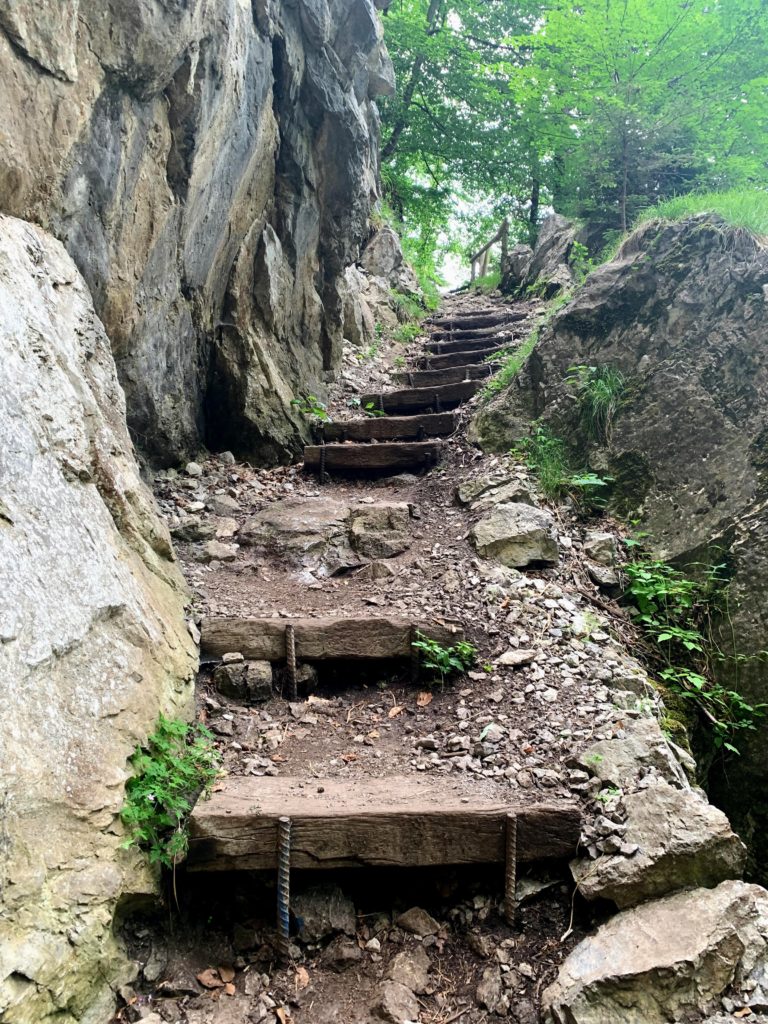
(392, 428)
(471, 335)
(387, 822)
(319, 639)
(465, 323)
(394, 457)
(422, 399)
(452, 375)
(447, 347)
(436, 362)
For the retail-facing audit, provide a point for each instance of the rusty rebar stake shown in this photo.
(510, 874)
(284, 887)
(415, 660)
(290, 657)
(322, 461)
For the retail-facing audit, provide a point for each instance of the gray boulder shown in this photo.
(383, 257)
(322, 912)
(622, 760)
(249, 681)
(682, 841)
(517, 535)
(664, 960)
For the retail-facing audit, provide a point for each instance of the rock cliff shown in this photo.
(210, 166)
(682, 313)
(93, 642)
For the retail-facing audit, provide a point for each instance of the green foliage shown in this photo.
(512, 364)
(371, 409)
(599, 109)
(548, 457)
(406, 333)
(600, 391)
(741, 208)
(178, 762)
(676, 613)
(311, 407)
(445, 661)
(487, 282)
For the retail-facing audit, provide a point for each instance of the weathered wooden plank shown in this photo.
(387, 822)
(392, 428)
(419, 399)
(474, 334)
(468, 322)
(436, 362)
(451, 375)
(317, 639)
(392, 457)
(445, 347)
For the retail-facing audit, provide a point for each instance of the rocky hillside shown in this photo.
(210, 167)
(682, 314)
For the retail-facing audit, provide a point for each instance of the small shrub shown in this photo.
(311, 407)
(487, 283)
(600, 391)
(406, 333)
(547, 456)
(178, 762)
(444, 660)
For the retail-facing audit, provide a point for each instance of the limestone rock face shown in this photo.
(545, 269)
(682, 313)
(210, 166)
(664, 959)
(93, 642)
(682, 841)
(517, 535)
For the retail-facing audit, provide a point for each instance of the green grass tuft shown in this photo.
(512, 365)
(741, 208)
(487, 283)
(600, 391)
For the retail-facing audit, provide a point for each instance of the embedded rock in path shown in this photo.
(682, 841)
(517, 535)
(244, 680)
(397, 1005)
(418, 922)
(323, 911)
(664, 959)
(328, 536)
(93, 642)
(621, 760)
(411, 968)
(600, 547)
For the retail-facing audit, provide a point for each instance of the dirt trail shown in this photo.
(508, 728)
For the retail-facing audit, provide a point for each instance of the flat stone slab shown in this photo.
(394, 821)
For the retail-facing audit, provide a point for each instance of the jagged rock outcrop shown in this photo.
(93, 642)
(666, 959)
(682, 313)
(547, 268)
(210, 166)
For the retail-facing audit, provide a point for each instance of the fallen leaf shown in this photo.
(218, 787)
(398, 709)
(278, 758)
(226, 974)
(745, 1012)
(210, 978)
(423, 699)
(302, 977)
(374, 734)
(282, 1015)
(230, 989)
(348, 758)
(312, 699)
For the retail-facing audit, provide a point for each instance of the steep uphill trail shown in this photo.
(263, 550)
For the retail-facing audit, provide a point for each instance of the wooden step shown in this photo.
(318, 639)
(446, 347)
(435, 362)
(472, 335)
(453, 375)
(394, 457)
(387, 822)
(465, 323)
(458, 314)
(392, 428)
(421, 399)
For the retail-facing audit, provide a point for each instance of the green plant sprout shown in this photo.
(311, 407)
(445, 661)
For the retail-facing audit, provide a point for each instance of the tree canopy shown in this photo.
(599, 108)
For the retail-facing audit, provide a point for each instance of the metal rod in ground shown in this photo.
(510, 876)
(290, 657)
(322, 462)
(284, 887)
(415, 662)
